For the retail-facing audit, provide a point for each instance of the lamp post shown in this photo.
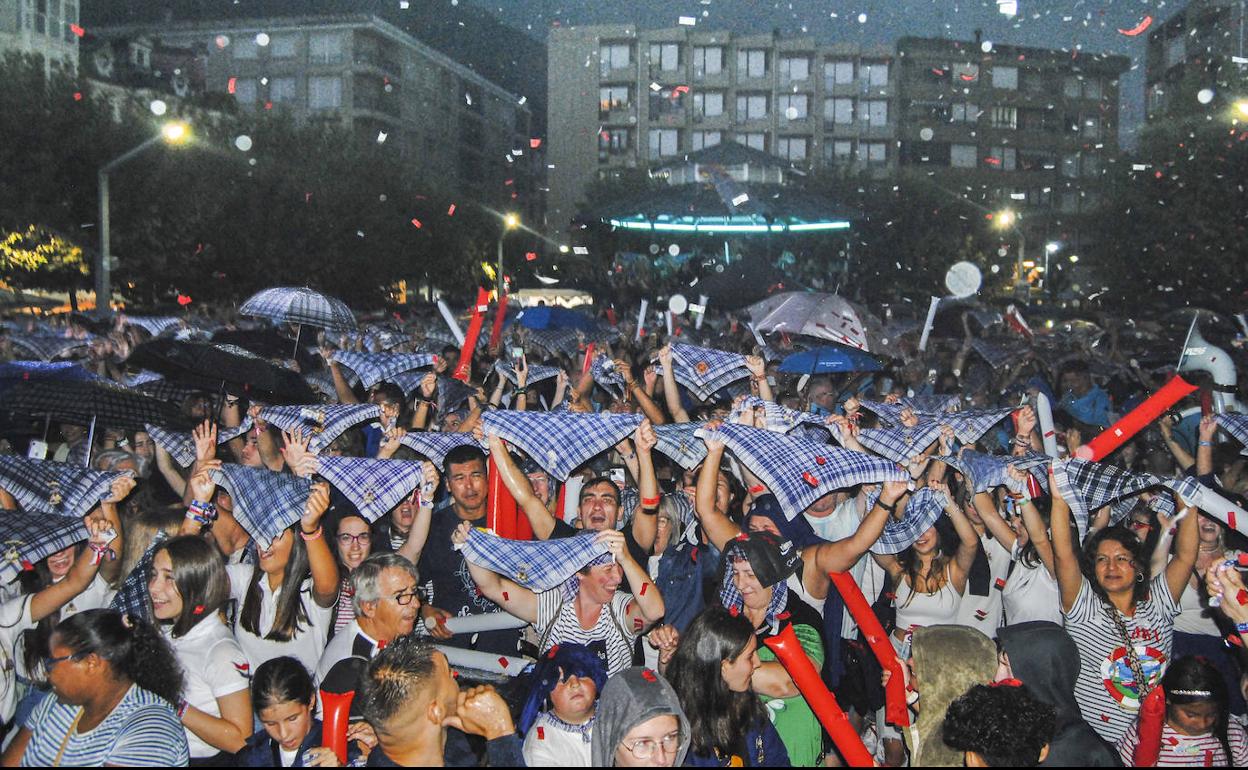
(1006, 219)
(173, 132)
(510, 222)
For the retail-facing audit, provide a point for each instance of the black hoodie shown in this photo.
(1044, 657)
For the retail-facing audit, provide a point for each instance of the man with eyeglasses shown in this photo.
(386, 606)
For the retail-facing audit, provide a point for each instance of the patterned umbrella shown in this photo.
(826, 316)
(299, 305)
(212, 366)
(47, 346)
(54, 488)
(82, 402)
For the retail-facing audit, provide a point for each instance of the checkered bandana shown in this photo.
(922, 511)
(559, 442)
(132, 598)
(1086, 486)
(537, 372)
(46, 346)
(373, 486)
(606, 377)
(322, 382)
(799, 472)
(970, 426)
(181, 446)
(776, 418)
(930, 407)
(322, 422)
(452, 394)
(29, 536)
(372, 368)
(931, 404)
(44, 486)
(265, 503)
(679, 442)
(155, 325)
(987, 472)
(897, 444)
(538, 565)
(142, 378)
(1237, 426)
(434, 445)
(562, 341)
(706, 370)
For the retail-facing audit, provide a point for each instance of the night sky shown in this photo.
(1063, 24)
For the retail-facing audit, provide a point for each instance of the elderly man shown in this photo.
(410, 698)
(386, 606)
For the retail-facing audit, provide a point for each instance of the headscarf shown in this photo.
(772, 561)
(566, 659)
(633, 696)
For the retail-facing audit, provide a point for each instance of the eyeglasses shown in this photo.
(347, 540)
(49, 663)
(644, 748)
(405, 599)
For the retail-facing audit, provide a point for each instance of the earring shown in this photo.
(1139, 577)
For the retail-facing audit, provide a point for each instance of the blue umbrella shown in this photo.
(547, 317)
(830, 359)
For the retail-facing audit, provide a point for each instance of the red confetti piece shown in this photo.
(552, 651)
(734, 611)
(417, 223)
(966, 78)
(1235, 640)
(502, 661)
(231, 85)
(783, 615)
(77, 96)
(1230, 519)
(534, 144)
(506, 598)
(450, 212)
(530, 255)
(810, 479)
(1242, 596)
(821, 461)
(1000, 583)
(694, 555)
(268, 105)
(27, 566)
(1138, 29)
(77, 30)
(644, 586)
(184, 300)
(1242, 559)
(508, 182)
(648, 675)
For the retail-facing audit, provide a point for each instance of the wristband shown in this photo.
(650, 502)
(1204, 443)
(1022, 440)
(890, 508)
(1242, 627)
(201, 512)
(757, 488)
(99, 551)
(182, 707)
(313, 535)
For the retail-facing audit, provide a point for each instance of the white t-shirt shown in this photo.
(14, 619)
(1106, 690)
(287, 757)
(983, 613)
(97, 595)
(306, 646)
(549, 745)
(611, 638)
(214, 666)
(1030, 593)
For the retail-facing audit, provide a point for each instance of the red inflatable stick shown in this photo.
(895, 710)
(337, 709)
(589, 358)
(821, 700)
(470, 339)
(1136, 420)
(1152, 716)
(500, 314)
(503, 515)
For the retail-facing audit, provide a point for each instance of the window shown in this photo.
(838, 150)
(1176, 51)
(1005, 77)
(752, 63)
(664, 142)
(1091, 165)
(665, 56)
(963, 156)
(324, 93)
(667, 101)
(751, 106)
(1002, 159)
(962, 112)
(708, 104)
(872, 153)
(937, 73)
(282, 46)
(794, 68)
(1070, 166)
(246, 91)
(838, 72)
(757, 141)
(325, 48)
(614, 141)
(245, 47)
(703, 139)
(792, 147)
(839, 110)
(874, 74)
(1156, 97)
(1092, 88)
(71, 17)
(1036, 160)
(707, 60)
(874, 113)
(793, 106)
(614, 56)
(282, 90)
(1091, 127)
(1005, 117)
(1071, 87)
(613, 98)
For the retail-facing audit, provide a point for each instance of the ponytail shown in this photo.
(134, 649)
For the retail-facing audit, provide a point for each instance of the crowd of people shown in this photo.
(615, 547)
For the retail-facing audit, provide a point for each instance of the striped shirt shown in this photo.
(1190, 751)
(141, 731)
(1106, 689)
(610, 637)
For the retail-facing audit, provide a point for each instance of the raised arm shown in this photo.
(634, 389)
(511, 596)
(321, 561)
(426, 394)
(758, 375)
(671, 394)
(718, 527)
(1186, 547)
(341, 387)
(1204, 444)
(110, 569)
(418, 535)
(1180, 455)
(968, 540)
(839, 556)
(1065, 555)
(518, 485)
(647, 605)
(80, 575)
(991, 517)
(645, 522)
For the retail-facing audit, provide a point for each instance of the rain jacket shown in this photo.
(633, 696)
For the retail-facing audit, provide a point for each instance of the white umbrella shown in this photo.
(823, 316)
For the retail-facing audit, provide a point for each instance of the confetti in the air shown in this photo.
(687, 21)
(381, 137)
(158, 107)
(417, 223)
(1138, 29)
(262, 39)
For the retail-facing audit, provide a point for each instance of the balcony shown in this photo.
(378, 61)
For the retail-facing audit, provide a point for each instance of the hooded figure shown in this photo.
(1044, 657)
(948, 661)
(633, 696)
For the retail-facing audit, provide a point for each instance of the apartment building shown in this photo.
(47, 28)
(1199, 48)
(622, 98)
(447, 123)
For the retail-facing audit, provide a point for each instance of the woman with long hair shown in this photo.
(286, 599)
(712, 671)
(352, 539)
(115, 685)
(189, 590)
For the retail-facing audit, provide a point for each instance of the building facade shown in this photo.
(47, 28)
(1200, 47)
(448, 124)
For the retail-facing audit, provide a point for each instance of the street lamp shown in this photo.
(173, 132)
(510, 222)
(1007, 219)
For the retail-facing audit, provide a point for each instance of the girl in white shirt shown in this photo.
(1030, 589)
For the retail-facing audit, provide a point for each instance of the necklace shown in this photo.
(73, 727)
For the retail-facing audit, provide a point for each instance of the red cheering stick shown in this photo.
(470, 339)
(895, 710)
(1136, 420)
(1152, 715)
(337, 708)
(589, 358)
(500, 314)
(820, 699)
(503, 515)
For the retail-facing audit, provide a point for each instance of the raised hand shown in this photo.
(644, 438)
(315, 507)
(205, 438)
(201, 483)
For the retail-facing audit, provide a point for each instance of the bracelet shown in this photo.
(1242, 627)
(757, 488)
(1022, 440)
(201, 512)
(890, 508)
(1204, 443)
(313, 535)
(182, 707)
(650, 502)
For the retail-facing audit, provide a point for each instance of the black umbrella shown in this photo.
(213, 366)
(84, 402)
(266, 343)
